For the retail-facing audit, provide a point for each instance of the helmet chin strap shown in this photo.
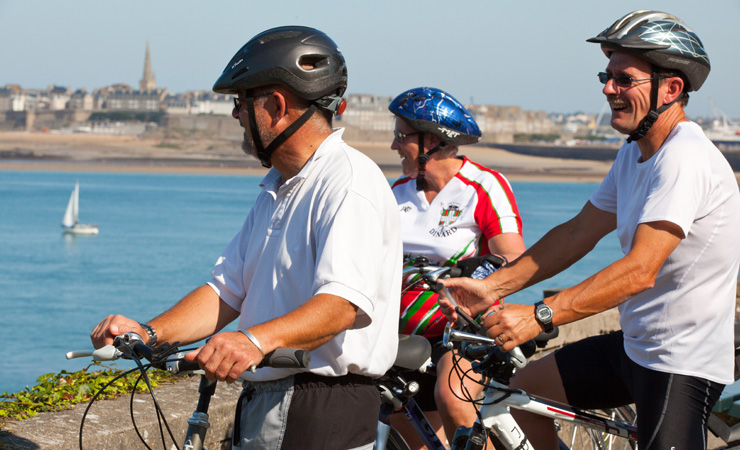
(652, 116)
(421, 182)
(265, 154)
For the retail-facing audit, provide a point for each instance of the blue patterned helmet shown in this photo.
(661, 39)
(434, 111)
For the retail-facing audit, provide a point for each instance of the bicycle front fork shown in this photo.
(198, 424)
(469, 438)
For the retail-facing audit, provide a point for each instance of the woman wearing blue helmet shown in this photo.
(451, 209)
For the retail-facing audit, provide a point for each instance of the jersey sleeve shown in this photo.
(496, 211)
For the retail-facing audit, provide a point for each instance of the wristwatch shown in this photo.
(150, 332)
(543, 314)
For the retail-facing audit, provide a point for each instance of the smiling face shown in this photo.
(629, 105)
(408, 149)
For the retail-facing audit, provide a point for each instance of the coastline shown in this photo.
(25, 151)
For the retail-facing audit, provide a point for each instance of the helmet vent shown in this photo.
(310, 62)
(279, 35)
(240, 72)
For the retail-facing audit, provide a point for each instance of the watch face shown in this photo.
(544, 313)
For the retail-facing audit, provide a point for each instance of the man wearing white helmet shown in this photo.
(674, 201)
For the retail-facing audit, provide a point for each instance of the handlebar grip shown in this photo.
(287, 358)
(279, 358)
(106, 353)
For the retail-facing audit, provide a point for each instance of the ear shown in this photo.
(673, 88)
(432, 140)
(278, 106)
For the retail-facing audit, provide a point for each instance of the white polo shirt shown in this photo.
(684, 323)
(331, 229)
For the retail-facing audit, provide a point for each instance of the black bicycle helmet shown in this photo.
(302, 59)
(432, 110)
(667, 43)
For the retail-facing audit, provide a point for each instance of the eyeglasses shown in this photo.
(238, 101)
(400, 137)
(622, 81)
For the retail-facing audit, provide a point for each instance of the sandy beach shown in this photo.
(101, 153)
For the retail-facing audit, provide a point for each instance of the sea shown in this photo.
(160, 235)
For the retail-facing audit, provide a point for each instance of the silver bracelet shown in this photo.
(150, 332)
(254, 340)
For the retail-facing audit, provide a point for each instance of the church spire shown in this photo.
(148, 82)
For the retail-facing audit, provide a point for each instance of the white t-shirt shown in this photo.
(332, 229)
(475, 205)
(684, 323)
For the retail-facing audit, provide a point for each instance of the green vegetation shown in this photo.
(127, 116)
(591, 137)
(167, 145)
(56, 392)
(536, 137)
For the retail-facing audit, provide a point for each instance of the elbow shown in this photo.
(642, 279)
(347, 318)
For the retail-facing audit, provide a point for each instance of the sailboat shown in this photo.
(70, 222)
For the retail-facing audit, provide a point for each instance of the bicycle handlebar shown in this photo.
(175, 364)
(484, 347)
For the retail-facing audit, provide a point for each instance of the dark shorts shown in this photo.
(308, 412)
(672, 409)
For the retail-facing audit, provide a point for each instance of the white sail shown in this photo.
(71, 214)
(70, 221)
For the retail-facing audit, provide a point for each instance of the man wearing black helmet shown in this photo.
(316, 265)
(674, 201)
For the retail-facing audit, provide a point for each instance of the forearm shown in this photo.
(311, 325)
(552, 254)
(621, 280)
(604, 290)
(198, 315)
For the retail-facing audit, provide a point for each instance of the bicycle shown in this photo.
(495, 418)
(169, 358)
(414, 354)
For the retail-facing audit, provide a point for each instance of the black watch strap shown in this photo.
(543, 315)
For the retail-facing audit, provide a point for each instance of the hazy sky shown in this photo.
(517, 52)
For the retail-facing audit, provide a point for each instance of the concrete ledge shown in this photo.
(108, 424)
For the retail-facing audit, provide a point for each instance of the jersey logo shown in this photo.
(449, 215)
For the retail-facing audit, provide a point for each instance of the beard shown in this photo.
(248, 146)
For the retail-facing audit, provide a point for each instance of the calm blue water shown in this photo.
(159, 237)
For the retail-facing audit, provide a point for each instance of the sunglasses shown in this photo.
(238, 101)
(622, 81)
(400, 137)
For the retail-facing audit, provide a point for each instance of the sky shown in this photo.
(528, 53)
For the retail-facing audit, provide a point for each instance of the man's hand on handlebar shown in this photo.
(112, 326)
(226, 356)
(511, 324)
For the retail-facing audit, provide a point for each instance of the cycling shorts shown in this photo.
(307, 412)
(672, 409)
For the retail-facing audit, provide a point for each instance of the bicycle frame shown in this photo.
(496, 415)
(421, 425)
(495, 412)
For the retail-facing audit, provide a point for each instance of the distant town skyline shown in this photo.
(529, 54)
